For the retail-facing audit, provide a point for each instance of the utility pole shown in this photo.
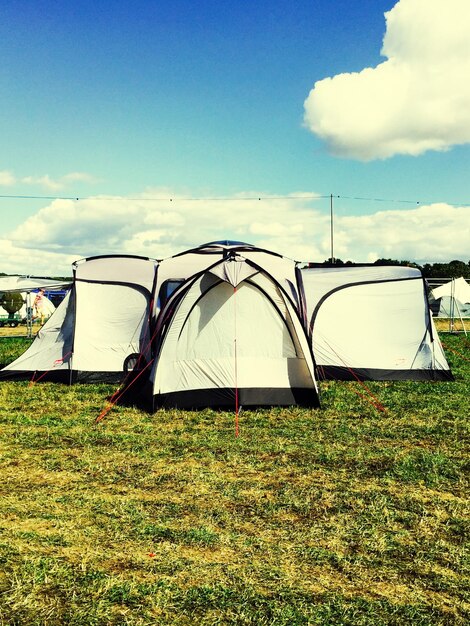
(331, 229)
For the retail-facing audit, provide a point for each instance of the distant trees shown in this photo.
(453, 269)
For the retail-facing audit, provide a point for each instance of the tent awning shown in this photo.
(27, 283)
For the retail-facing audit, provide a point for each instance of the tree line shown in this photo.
(452, 269)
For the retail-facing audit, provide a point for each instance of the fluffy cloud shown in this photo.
(46, 182)
(7, 178)
(417, 100)
(60, 183)
(437, 232)
(161, 227)
(65, 230)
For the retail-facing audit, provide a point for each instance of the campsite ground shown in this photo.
(348, 515)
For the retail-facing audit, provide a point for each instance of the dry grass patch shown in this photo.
(339, 516)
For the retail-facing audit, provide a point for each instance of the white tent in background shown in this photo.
(29, 283)
(229, 324)
(454, 299)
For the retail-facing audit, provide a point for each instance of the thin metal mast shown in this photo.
(331, 229)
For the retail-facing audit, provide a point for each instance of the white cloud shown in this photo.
(417, 100)
(7, 178)
(81, 177)
(437, 232)
(46, 182)
(15, 259)
(67, 230)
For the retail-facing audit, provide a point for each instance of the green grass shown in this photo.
(11, 348)
(341, 516)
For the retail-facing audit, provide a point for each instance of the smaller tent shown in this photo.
(100, 324)
(454, 299)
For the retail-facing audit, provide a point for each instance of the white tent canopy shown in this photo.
(231, 332)
(230, 323)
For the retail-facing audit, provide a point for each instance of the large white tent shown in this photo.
(228, 323)
(230, 333)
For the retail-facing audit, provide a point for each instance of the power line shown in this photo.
(40, 197)
(290, 198)
(171, 199)
(379, 199)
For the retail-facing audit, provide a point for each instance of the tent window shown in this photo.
(167, 289)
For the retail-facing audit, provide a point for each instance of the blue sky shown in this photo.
(140, 102)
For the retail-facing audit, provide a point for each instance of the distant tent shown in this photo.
(228, 323)
(29, 283)
(454, 299)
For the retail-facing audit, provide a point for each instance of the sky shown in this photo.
(147, 128)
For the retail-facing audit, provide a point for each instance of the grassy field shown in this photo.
(340, 516)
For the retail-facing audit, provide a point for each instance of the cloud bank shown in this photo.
(8, 179)
(417, 100)
(66, 230)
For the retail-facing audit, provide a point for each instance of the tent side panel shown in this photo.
(49, 356)
(379, 331)
(111, 324)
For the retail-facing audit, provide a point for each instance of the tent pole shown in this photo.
(451, 312)
(461, 318)
(236, 361)
(29, 316)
